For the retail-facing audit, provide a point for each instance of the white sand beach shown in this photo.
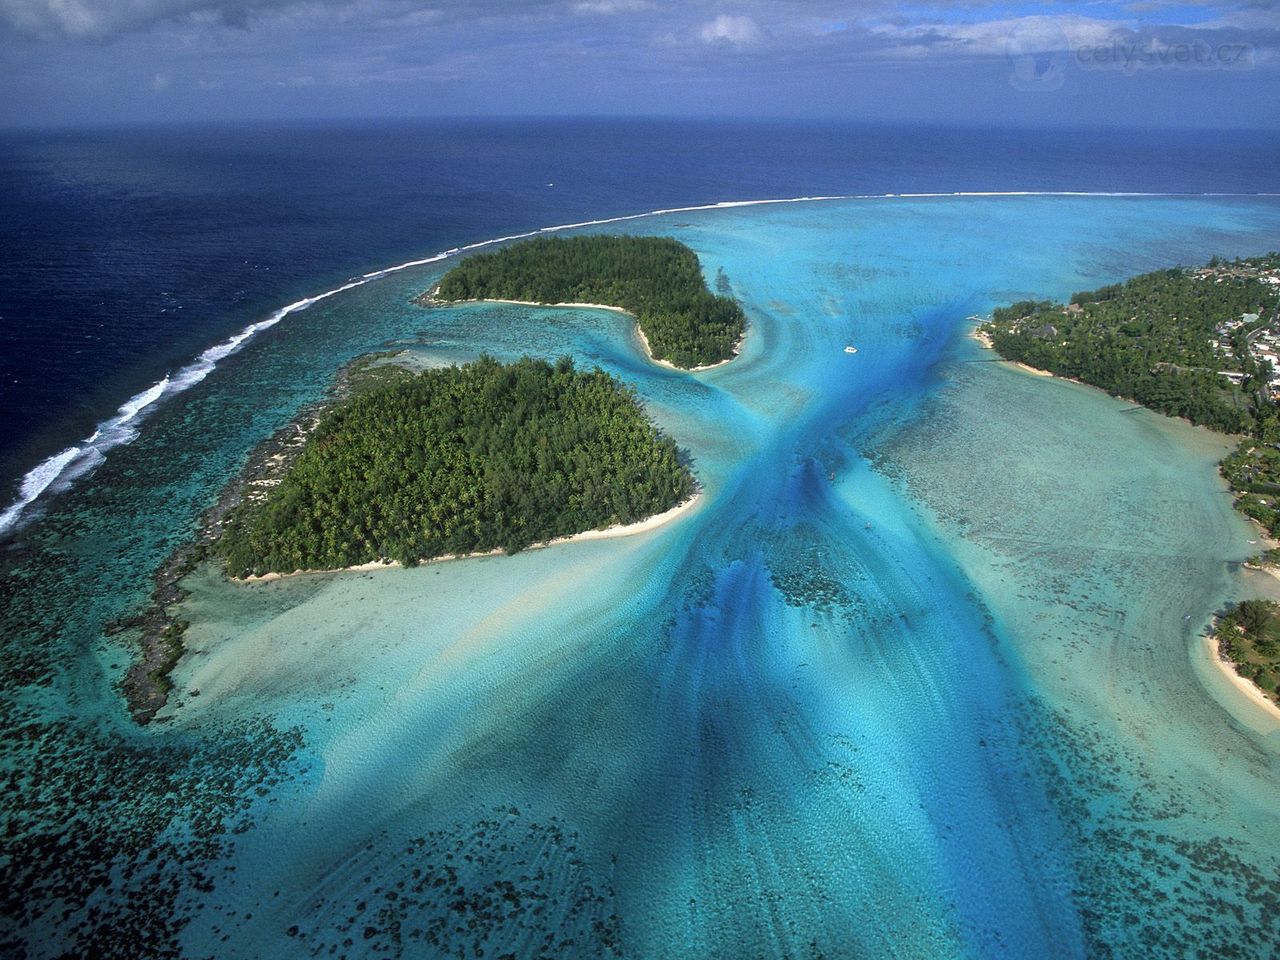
(644, 341)
(1244, 685)
(617, 530)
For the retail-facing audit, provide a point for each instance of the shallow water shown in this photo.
(917, 677)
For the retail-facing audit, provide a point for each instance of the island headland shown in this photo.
(1199, 343)
(459, 461)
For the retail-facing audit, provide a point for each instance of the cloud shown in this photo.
(102, 19)
(192, 38)
(1038, 35)
(159, 82)
(1029, 35)
(609, 7)
(733, 30)
(97, 20)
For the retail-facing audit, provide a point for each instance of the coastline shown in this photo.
(1246, 686)
(605, 533)
(430, 299)
(1228, 667)
(1225, 667)
(648, 352)
(977, 334)
(146, 684)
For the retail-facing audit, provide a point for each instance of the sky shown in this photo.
(1180, 64)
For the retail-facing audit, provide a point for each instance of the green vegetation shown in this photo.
(1253, 471)
(1196, 343)
(460, 460)
(657, 279)
(1249, 636)
(171, 650)
(1162, 339)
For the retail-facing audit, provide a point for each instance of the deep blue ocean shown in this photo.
(131, 251)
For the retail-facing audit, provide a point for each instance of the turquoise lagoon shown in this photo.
(919, 676)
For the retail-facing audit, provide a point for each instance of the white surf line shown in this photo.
(58, 471)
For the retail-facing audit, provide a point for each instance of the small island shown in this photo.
(1200, 343)
(656, 279)
(457, 461)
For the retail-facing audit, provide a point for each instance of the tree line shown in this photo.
(1247, 636)
(657, 279)
(1151, 339)
(460, 460)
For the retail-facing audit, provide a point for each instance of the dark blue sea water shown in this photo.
(128, 252)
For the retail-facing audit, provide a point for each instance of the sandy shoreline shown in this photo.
(1243, 684)
(1225, 667)
(1228, 669)
(644, 341)
(608, 533)
(1037, 371)
(648, 352)
(985, 340)
(534, 303)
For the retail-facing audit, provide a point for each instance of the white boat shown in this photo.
(851, 349)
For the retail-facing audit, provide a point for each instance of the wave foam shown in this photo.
(60, 470)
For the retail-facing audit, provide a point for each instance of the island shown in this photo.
(658, 280)
(458, 461)
(1200, 343)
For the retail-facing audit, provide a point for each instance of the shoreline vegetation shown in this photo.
(680, 324)
(146, 685)
(604, 533)
(1230, 672)
(432, 299)
(525, 455)
(460, 460)
(1243, 643)
(1202, 344)
(656, 280)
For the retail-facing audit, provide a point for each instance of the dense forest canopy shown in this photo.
(460, 460)
(657, 279)
(1158, 338)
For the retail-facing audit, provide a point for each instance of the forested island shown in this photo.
(1201, 343)
(656, 279)
(459, 460)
